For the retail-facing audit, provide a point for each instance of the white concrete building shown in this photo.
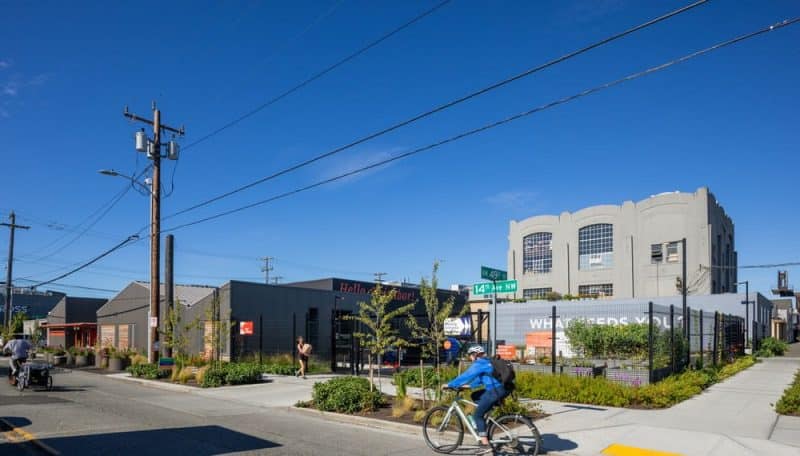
(628, 251)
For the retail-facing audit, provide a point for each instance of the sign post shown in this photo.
(494, 275)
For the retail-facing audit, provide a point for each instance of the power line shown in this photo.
(443, 107)
(494, 124)
(318, 75)
(81, 287)
(93, 260)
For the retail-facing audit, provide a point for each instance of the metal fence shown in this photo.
(630, 343)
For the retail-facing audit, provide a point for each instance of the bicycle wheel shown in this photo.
(442, 437)
(21, 381)
(515, 434)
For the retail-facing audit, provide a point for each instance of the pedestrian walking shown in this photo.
(303, 352)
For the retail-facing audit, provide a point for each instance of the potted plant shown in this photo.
(59, 357)
(100, 357)
(82, 358)
(70, 354)
(116, 360)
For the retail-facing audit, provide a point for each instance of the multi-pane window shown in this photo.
(536, 293)
(596, 246)
(537, 253)
(656, 253)
(672, 252)
(596, 290)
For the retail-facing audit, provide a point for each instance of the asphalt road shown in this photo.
(87, 414)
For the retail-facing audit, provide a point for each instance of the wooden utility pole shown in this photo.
(9, 289)
(154, 154)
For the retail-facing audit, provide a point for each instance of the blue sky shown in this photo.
(727, 121)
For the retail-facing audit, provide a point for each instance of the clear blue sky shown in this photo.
(728, 121)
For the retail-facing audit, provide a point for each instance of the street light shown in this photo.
(113, 173)
(746, 303)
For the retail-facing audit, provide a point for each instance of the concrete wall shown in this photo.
(660, 219)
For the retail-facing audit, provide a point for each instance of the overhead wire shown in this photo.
(319, 74)
(444, 106)
(90, 262)
(492, 125)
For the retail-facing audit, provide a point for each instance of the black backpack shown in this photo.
(503, 372)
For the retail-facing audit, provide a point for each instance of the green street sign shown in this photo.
(493, 274)
(505, 286)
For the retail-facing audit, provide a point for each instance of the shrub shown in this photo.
(242, 373)
(789, 403)
(588, 390)
(771, 346)
(346, 395)
(412, 377)
(186, 374)
(200, 374)
(149, 371)
(279, 369)
(138, 359)
(213, 377)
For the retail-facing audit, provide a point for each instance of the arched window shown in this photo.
(596, 246)
(537, 253)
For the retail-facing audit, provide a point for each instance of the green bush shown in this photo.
(242, 373)
(600, 391)
(346, 395)
(412, 376)
(214, 377)
(771, 346)
(146, 370)
(789, 403)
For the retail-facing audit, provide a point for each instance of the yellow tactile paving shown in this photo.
(615, 449)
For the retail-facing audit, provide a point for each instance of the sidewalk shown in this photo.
(730, 418)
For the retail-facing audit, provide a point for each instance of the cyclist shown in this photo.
(480, 373)
(19, 354)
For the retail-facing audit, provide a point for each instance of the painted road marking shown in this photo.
(615, 449)
(17, 435)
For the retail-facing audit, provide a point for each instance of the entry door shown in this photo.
(342, 341)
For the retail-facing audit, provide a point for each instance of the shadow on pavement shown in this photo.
(16, 421)
(197, 441)
(553, 442)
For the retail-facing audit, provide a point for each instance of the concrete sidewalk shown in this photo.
(735, 417)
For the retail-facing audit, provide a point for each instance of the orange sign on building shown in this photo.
(508, 352)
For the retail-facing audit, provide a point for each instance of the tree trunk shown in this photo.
(371, 377)
(422, 381)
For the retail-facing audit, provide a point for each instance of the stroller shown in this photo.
(34, 374)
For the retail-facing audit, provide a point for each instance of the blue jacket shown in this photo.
(479, 373)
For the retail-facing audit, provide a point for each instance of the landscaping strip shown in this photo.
(789, 403)
(600, 391)
(360, 420)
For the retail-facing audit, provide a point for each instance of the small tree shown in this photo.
(220, 329)
(175, 335)
(432, 336)
(379, 334)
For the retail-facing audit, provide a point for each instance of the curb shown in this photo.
(154, 384)
(28, 437)
(359, 421)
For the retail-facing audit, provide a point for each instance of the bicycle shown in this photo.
(443, 430)
(34, 374)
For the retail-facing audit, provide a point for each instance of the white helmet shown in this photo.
(476, 349)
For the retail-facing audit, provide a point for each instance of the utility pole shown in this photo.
(379, 277)
(154, 153)
(9, 289)
(267, 267)
(276, 279)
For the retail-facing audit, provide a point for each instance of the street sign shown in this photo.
(458, 326)
(493, 274)
(154, 322)
(246, 328)
(505, 286)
